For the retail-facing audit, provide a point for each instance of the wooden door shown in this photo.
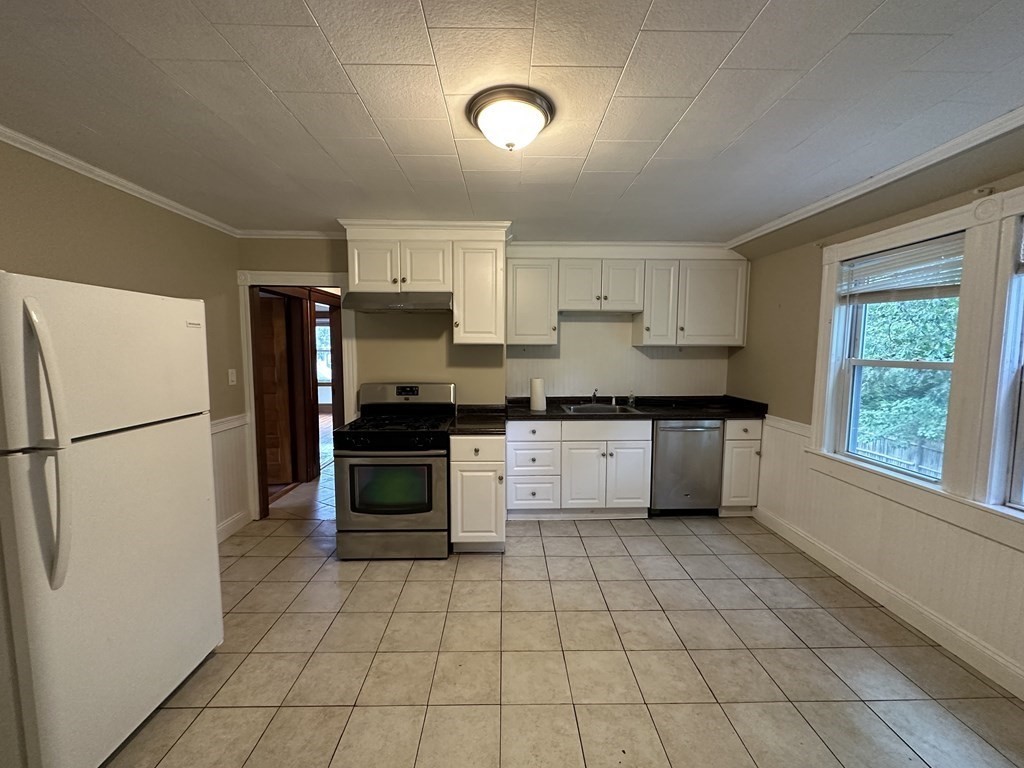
(270, 353)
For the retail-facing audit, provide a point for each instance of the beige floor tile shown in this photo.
(981, 676)
(802, 676)
(478, 568)
(424, 596)
(275, 546)
(869, 675)
(588, 631)
(237, 545)
(534, 677)
(766, 543)
(736, 676)
(380, 736)
(615, 569)
(294, 528)
(577, 596)
(645, 631)
(632, 528)
(315, 546)
(595, 528)
(330, 680)
(750, 567)
(761, 629)
(705, 567)
(466, 677)
(703, 630)
(857, 736)
(386, 570)
(352, 632)
(475, 596)
(705, 526)
(668, 677)
(564, 546)
(232, 592)
(743, 525)
(269, 597)
(679, 595)
(936, 675)
(779, 593)
(604, 546)
(558, 528)
(540, 737)
(831, 593)
(524, 546)
(472, 631)
(725, 544)
(434, 570)
(666, 526)
(629, 596)
(794, 566)
(263, 528)
(937, 736)
(874, 627)
(641, 546)
(685, 545)
(225, 562)
(570, 568)
(373, 597)
(461, 737)
(818, 629)
(242, 631)
(615, 733)
(295, 633)
(529, 631)
(413, 632)
(397, 679)
(262, 680)
(526, 596)
(300, 736)
(340, 570)
(203, 684)
(524, 569)
(729, 594)
(601, 677)
(516, 528)
(998, 721)
(250, 569)
(296, 569)
(219, 738)
(154, 739)
(658, 567)
(320, 597)
(699, 736)
(778, 737)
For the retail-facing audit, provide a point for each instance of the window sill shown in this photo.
(1001, 524)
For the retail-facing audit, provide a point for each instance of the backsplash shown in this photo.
(597, 351)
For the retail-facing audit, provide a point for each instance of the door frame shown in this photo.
(247, 278)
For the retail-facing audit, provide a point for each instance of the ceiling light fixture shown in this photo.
(510, 116)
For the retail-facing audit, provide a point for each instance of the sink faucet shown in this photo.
(632, 400)
(593, 397)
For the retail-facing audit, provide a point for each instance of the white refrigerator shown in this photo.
(109, 584)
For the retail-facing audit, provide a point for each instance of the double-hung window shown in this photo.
(899, 312)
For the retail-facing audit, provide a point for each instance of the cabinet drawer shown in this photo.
(465, 448)
(533, 431)
(534, 492)
(743, 429)
(533, 459)
(606, 430)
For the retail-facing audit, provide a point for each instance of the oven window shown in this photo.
(389, 489)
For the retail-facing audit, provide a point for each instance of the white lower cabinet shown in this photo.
(609, 475)
(584, 474)
(534, 492)
(741, 468)
(629, 474)
(477, 493)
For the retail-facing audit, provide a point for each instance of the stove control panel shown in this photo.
(407, 390)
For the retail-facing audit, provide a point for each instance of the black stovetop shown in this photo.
(400, 429)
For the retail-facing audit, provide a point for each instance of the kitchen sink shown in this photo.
(598, 408)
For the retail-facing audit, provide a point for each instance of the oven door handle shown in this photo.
(388, 454)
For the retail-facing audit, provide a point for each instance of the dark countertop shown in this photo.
(701, 407)
(479, 420)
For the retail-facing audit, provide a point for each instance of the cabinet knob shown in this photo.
(606, 298)
(533, 459)
(394, 279)
(604, 455)
(598, 297)
(456, 323)
(611, 455)
(681, 328)
(745, 429)
(501, 478)
(554, 328)
(757, 453)
(476, 451)
(405, 280)
(647, 328)
(533, 431)
(533, 493)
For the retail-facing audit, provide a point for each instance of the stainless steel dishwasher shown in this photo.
(687, 465)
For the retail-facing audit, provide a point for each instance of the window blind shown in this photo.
(930, 269)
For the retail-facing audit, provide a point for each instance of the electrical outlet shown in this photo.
(232, 377)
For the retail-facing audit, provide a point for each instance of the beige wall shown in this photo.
(285, 255)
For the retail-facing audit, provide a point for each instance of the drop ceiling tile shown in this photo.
(907, 94)
(375, 32)
(619, 156)
(632, 119)
(551, 170)
(1005, 86)
(603, 185)
(53, 9)
(740, 96)
(490, 183)
(289, 58)
(378, 181)
(496, 14)
(924, 17)
(470, 60)
(674, 63)
(795, 34)
(563, 138)
(987, 44)
(408, 136)
(578, 93)
(696, 16)
(286, 12)
(586, 33)
(335, 115)
(167, 30)
(481, 155)
(698, 139)
(399, 91)
(461, 127)
(431, 167)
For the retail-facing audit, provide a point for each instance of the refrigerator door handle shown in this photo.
(62, 536)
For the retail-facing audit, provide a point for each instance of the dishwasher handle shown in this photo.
(682, 426)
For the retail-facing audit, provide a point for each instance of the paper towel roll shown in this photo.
(537, 400)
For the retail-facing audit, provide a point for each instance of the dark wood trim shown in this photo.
(337, 379)
(325, 297)
(258, 394)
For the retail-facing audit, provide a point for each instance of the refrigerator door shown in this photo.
(125, 359)
(140, 607)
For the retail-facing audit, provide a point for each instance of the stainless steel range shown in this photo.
(391, 468)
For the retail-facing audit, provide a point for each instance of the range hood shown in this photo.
(418, 302)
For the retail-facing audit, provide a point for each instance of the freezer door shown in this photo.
(140, 606)
(124, 358)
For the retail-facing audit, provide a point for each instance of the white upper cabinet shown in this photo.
(373, 265)
(622, 285)
(712, 303)
(478, 300)
(656, 326)
(426, 265)
(532, 301)
(579, 285)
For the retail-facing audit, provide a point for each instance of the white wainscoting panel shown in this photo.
(230, 474)
(961, 588)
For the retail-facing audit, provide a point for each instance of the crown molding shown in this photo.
(422, 224)
(286, 234)
(979, 135)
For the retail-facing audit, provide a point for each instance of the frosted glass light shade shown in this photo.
(510, 118)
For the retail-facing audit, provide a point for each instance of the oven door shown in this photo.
(392, 491)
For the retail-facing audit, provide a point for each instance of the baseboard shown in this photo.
(485, 547)
(1003, 670)
(735, 511)
(232, 525)
(577, 514)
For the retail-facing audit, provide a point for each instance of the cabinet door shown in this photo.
(584, 469)
(532, 301)
(656, 326)
(622, 285)
(478, 301)
(741, 469)
(373, 266)
(478, 501)
(713, 303)
(426, 265)
(579, 284)
(629, 474)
